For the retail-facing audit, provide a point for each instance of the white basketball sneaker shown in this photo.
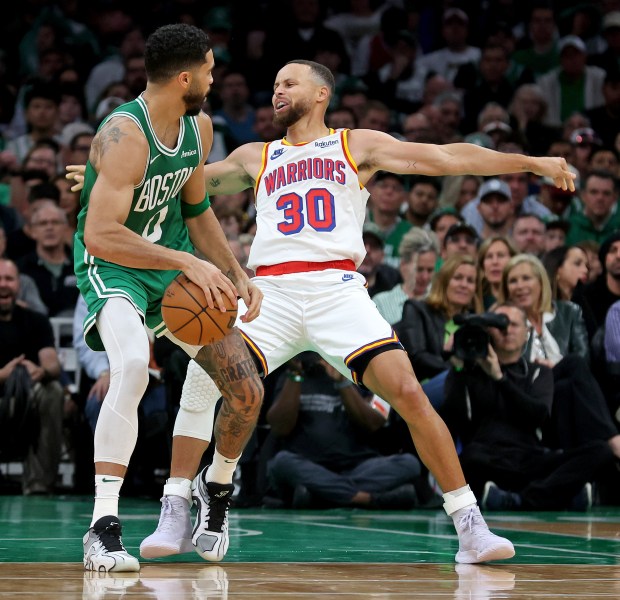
(210, 537)
(174, 530)
(104, 550)
(477, 543)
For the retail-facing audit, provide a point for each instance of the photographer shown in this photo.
(496, 406)
(324, 423)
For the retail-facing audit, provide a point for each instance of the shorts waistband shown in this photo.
(297, 266)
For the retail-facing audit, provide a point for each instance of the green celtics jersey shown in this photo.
(156, 208)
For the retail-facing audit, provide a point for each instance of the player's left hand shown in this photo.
(253, 298)
(76, 173)
(556, 168)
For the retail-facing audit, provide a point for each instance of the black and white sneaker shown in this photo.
(104, 550)
(210, 535)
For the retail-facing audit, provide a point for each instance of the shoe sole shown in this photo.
(499, 552)
(161, 550)
(126, 568)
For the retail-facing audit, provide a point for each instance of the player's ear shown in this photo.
(185, 78)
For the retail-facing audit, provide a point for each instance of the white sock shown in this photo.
(107, 489)
(179, 486)
(222, 469)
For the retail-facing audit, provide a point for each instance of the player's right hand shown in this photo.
(212, 281)
(76, 173)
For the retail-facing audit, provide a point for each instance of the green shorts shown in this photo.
(144, 288)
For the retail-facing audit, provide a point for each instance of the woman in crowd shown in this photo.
(558, 339)
(493, 255)
(567, 268)
(427, 327)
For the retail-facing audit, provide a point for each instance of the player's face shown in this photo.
(202, 78)
(293, 94)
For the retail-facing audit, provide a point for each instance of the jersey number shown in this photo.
(319, 211)
(152, 232)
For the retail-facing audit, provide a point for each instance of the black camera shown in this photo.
(471, 340)
(311, 363)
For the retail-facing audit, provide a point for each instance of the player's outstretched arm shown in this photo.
(374, 151)
(236, 172)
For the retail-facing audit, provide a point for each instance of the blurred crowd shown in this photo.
(539, 78)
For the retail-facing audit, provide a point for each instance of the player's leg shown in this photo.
(232, 367)
(390, 376)
(126, 343)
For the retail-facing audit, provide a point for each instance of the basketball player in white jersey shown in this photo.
(310, 200)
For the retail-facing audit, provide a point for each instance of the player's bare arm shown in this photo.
(374, 151)
(121, 153)
(235, 173)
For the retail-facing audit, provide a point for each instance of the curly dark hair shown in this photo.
(174, 48)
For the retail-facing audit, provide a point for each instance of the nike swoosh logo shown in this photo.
(154, 159)
(229, 461)
(104, 480)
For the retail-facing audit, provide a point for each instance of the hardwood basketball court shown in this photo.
(313, 554)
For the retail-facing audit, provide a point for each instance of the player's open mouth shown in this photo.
(280, 105)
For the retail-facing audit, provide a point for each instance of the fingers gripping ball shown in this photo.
(187, 316)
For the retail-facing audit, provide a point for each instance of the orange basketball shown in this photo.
(187, 316)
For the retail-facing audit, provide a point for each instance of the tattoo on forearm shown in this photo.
(412, 165)
(213, 182)
(231, 367)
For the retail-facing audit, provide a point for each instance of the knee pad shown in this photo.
(197, 406)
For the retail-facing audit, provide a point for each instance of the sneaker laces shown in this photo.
(166, 522)
(471, 518)
(217, 513)
(110, 537)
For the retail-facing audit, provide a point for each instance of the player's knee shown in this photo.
(134, 372)
(409, 399)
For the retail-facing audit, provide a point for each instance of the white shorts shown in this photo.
(328, 311)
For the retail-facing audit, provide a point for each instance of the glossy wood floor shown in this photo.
(313, 554)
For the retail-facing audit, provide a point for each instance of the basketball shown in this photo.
(187, 316)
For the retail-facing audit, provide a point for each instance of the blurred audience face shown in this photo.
(41, 114)
(80, 149)
(554, 238)
(599, 197)
(387, 195)
(542, 26)
(493, 64)
(462, 287)
(528, 234)
(495, 259)
(422, 200)
(459, 243)
(442, 225)
(518, 184)
(555, 199)
(42, 159)
(469, 190)
(561, 148)
(435, 85)
(264, 126)
(594, 264)
(604, 160)
(524, 288)
(374, 256)
(9, 288)
(341, 118)
(48, 227)
(69, 201)
(573, 270)
(417, 128)
(496, 211)
(612, 261)
(513, 338)
(375, 118)
(424, 271)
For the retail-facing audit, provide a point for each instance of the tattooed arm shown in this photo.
(119, 154)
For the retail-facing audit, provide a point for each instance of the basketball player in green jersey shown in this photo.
(144, 208)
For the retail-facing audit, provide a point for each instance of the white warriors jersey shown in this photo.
(310, 205)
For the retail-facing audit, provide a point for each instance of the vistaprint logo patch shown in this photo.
(325, 144)
(186, 153)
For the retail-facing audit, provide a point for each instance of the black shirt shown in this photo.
(26, 333)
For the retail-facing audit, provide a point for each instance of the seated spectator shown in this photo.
(493, 255)
(460, 239)
(555, 234)
(380, 277)
(567, 269)
(422, 200)
(51, 263)
(459, 190)
(605, 159)
(418, 252)
(495, 208)
(21, 241)
(600, 217)
(325, 422)
(584, 141)
(427, 327)
(442, 220)
(558, 339)
(29, 363)
(28, 295)
(528, 234)
(69, 201)
(574, 85)
(595, 268)
(495, 410)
